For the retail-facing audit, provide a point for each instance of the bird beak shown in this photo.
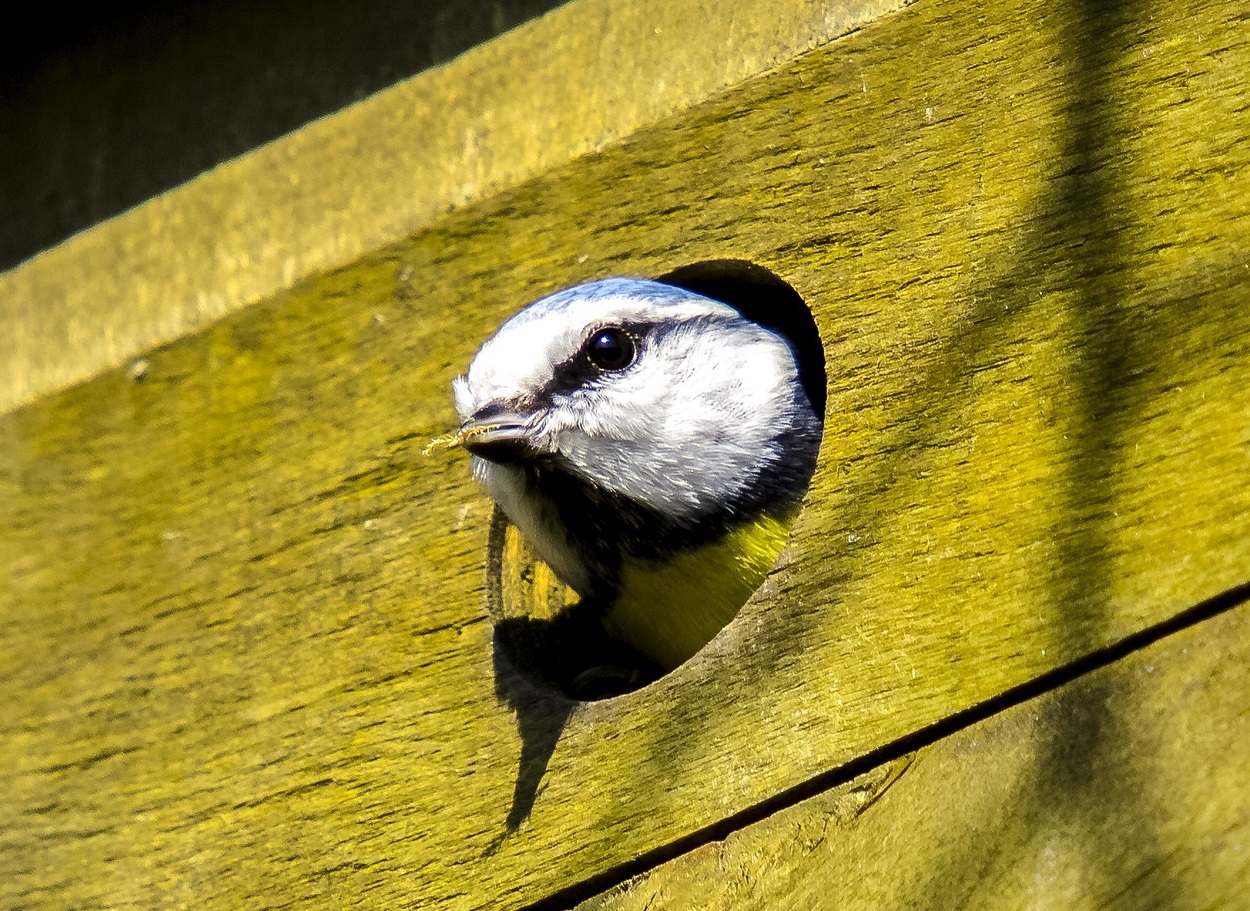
(500, 436)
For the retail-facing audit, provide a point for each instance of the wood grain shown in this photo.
(244, 645)
(583, 76)
(1124, 789)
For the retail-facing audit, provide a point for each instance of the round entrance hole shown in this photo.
(580, 647)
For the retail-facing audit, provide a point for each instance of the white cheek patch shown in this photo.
(691, 424)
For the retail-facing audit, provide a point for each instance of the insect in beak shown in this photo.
(495, 434)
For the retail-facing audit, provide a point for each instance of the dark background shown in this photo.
(102, 108)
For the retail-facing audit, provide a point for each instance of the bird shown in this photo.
(652, 445)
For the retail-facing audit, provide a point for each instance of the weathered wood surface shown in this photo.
(1124, 789)
(243, 642)
(587, 74)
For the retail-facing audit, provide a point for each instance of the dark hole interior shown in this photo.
(767, 299)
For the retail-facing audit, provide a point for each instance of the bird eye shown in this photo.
(610, 349)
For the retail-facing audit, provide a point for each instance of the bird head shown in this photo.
(647, 391)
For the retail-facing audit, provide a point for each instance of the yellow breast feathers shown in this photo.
(669, 609)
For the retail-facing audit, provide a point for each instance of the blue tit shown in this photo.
(651, 444)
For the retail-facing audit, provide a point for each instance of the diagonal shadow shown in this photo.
(1076, 242)
(1087, 214)
(540, 718)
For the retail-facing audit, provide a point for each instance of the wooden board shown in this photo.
(583, 76)
(243, 637)
(1124, 789)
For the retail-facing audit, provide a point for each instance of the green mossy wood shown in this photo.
(1122, 789)
(244, 642)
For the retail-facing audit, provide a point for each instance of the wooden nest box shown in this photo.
(246, 656)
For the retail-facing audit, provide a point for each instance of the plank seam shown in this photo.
(568, 897)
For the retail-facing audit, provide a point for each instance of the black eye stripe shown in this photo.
(578, 369)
